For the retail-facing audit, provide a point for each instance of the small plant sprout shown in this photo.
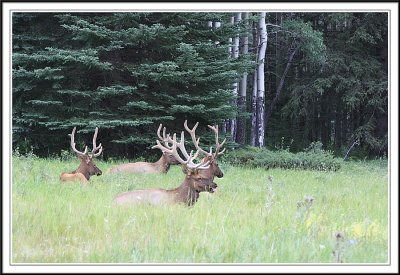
(270, 194)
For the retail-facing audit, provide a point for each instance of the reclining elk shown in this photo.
(87, 167)
(161, 166)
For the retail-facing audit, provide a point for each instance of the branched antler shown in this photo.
(73, 145)
(85, 153)
(196, 141)
(96, 148)
(189, 158)
(218, 145)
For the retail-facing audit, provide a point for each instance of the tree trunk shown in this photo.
(253, 107)
(216, 25)
(253, 131)
(260, 80)
(241, 125)
(228, 122)
(235, 54)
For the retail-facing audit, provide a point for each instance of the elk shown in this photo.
(87, 167)
(160, 166)
(189, 190)
(211, 157)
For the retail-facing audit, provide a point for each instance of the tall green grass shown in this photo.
(243, 222)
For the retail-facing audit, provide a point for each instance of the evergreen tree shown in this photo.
(124, 73)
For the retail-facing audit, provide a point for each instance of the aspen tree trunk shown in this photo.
(228, 122)
(253, 131)
(241, 123)
(260, 80)
(253, 107)
(235, 54)
(216, 25)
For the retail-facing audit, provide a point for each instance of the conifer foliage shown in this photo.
(122, 72)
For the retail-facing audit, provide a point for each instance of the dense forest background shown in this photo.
(268, 79)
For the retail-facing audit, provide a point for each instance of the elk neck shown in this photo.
(185, 193)
(83, 170)
(162, 164)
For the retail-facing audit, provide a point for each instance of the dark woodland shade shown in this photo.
(127, 72)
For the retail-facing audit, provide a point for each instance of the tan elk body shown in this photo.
(87, 167)
(188, 192)
(160, 166)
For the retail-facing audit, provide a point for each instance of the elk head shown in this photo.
(198, 181)
(211, 157)
(87, 166)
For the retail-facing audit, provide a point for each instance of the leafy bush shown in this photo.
(312, 158)
(24, 153)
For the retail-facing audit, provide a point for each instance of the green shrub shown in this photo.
(312, 158)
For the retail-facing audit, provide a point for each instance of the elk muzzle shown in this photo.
(211, 188)
(219, 173)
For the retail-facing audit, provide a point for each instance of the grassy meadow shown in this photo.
(246, 221)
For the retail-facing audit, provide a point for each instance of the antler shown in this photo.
(85, 153)
(181, 145)
(196, 141)
(164, 138)
(217, 144)
(95, 148)
(72, 135)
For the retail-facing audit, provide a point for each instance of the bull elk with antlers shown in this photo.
(211, 157)
(189, 190)
(87, 166)
(160, 166)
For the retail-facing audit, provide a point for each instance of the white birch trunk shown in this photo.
(253, 106)
(235, 54)
(228, 122)
(253, 130)
(241, 124)
(260, 80)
